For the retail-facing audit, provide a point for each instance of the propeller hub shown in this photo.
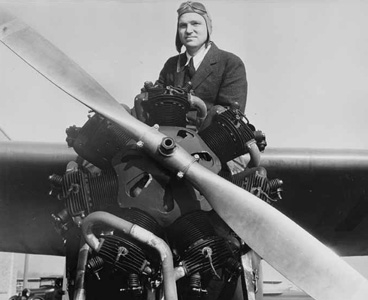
(167, 146)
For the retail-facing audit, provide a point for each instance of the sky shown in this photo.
(306, 64)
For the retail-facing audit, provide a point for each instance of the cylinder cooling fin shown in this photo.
(99, 141)
(227, 134)
(203, 254)
(256, 182)
(114, 175)
(127, 267)
(142, 219)
(124, 254)
(85, 192)
(127, 254)
(166, 106)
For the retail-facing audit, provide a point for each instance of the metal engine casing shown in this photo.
(137, 188)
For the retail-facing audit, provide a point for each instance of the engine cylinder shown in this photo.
(166, 107)
(98, 141)
(190, 228)
(227, 134)
(199, 247)
(127, 254)
(256, 182)
(85, 192)
(142, 219)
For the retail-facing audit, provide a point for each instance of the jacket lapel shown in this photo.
(206, 67)
(180, 70)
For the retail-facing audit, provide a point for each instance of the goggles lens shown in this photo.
(192, 6)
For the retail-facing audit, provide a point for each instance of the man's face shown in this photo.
(192, 30)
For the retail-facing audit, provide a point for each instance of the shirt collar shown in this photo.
(198, 58)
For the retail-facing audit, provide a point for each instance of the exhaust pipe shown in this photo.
(141, 235)
(80, 291)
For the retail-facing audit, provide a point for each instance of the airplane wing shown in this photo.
(25, 205)
(325, 191)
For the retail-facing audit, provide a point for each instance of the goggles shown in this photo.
(190, 6)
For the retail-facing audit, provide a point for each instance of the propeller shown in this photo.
(278, 240)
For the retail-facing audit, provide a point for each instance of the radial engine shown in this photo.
(113, 176)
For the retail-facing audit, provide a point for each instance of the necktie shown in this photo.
(190, 70)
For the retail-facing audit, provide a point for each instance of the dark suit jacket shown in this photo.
(220, 79)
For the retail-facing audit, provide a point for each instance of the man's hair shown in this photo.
(193, 7)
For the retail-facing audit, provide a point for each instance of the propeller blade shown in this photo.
(292, 251)
(278, 240)
(55, 66)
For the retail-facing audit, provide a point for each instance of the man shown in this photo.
(216, 76)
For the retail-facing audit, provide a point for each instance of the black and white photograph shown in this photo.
(181, 150)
